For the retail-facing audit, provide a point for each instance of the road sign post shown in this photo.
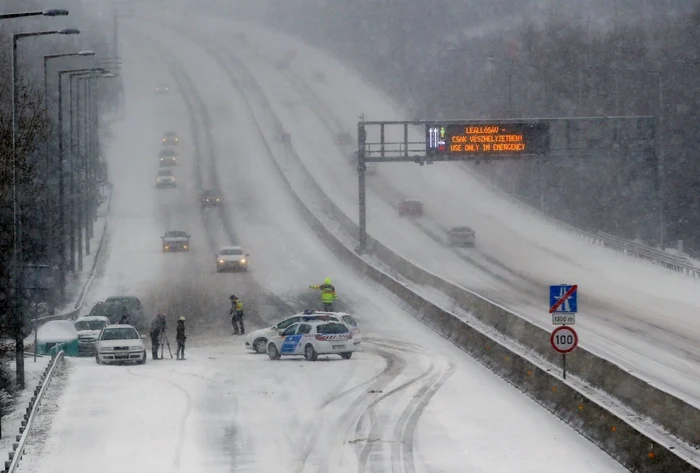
(564, 340)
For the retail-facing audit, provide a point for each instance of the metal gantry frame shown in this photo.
(406, 150)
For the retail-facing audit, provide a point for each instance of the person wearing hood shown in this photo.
(328, 294)
(180, 337)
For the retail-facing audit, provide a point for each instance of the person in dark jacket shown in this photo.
(180, 337)
(158, 327)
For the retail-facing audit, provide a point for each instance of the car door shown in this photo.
(303, 333)
(354, 327)
(290, 340)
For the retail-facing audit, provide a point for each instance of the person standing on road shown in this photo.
(180, 337)
(157, 329)
(328, 294)
(237, 315)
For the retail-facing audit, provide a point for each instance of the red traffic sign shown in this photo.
(564, 339)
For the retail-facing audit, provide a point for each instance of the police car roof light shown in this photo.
(308, 311)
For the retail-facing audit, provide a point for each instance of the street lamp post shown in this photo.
(53, 12)
(47, 162)
(62, 175)
(17, 260)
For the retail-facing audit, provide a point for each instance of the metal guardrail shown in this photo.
(630, 248)
(57, 354)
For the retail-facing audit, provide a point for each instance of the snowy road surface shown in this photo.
(409, 402)
(632, 313)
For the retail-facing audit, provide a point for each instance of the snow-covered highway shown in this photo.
(632, 313)
(409, 402)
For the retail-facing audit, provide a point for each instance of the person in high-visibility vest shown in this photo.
(328, 294)
(237, 315)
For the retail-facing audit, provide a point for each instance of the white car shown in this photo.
(89, 329)
(257, 339)
(120, 344)
(312, 338)
(231, 257)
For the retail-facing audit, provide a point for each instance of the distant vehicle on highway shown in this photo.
(257, 339)
(89, 329)
(211, 198)
(411, 207)
(312, 338)
(461, 236)
(162, 89)
(168, 157)
(175, 240)
(120, 344)
(170, 138)
(165, 178)
(344, 138)
(231, 257)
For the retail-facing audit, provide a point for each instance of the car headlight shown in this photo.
(184, 246)
(167, 247)
(135, 348)
(221, 261)
(161, 159)
(243, 261)
(158, 180)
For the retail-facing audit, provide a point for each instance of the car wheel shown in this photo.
(259, 345)
(143, 362)
(346, 356)
(310, 353)
(272, 352)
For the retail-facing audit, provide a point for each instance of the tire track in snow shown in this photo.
(179, 445)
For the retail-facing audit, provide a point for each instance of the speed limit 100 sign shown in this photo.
(564, 339)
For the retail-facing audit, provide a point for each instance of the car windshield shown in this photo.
(211, 193)
(170, 134)
(231, 251)
(122, 333)
(90, 325)
(165, 172)
(176, 234)
(332, 328)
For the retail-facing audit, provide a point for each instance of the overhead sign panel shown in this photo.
(487, 139)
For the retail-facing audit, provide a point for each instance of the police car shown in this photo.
(257, 339)
(312, 338)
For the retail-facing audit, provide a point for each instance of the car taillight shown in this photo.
(322, 338)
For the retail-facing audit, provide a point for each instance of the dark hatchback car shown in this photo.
(113, 309)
